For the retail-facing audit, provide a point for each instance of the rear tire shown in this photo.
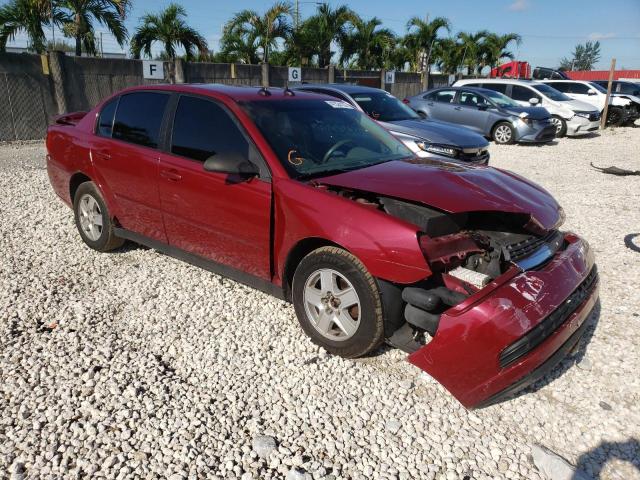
(338, 303)
(503, 133)
(93, 220)
(560, 124)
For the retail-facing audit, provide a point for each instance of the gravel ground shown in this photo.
(133, 364)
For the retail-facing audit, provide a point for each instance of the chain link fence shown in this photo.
(35, 88)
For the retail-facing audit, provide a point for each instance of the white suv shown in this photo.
(619, 108)
(571, 117)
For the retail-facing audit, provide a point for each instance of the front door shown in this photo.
(469, 112)
(219, 217)
(126, 157)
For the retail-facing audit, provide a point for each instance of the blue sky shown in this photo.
(550, 28)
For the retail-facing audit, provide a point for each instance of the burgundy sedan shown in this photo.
(302, 196)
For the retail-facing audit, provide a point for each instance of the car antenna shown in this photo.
(264, 91)
(287, 90)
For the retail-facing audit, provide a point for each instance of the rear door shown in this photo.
(220, 217)
(126, 156)
(440, 105)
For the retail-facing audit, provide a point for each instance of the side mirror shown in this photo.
(591, 91)
(534, 101)
(231, 163)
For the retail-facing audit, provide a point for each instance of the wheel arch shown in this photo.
(75, 181)
(300, 250)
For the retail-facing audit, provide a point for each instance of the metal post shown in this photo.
(101, 46)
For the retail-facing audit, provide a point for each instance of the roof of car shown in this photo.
(465, 81)
(484, 91)
(341, 87)
(234, 92)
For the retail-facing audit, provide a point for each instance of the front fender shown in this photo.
(388, 247)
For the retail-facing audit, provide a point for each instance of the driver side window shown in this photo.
(201, 129)
(470, 99)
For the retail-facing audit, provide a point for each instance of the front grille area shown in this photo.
(544, 329)
(519, 250)
(474, 155)
(547, 133)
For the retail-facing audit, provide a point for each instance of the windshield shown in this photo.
(551, 92)
(383, 106)
(499, 99)
(314, 138)
(600, 88)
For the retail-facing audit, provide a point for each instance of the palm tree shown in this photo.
(81, 15)
(169, 28)
(326, 26)
(368, 43)
(471, 44)
(399, 56)
(29, 16)
(422, 37)
(448, 54)
(265, 29)
(494, 47)
(239, 47)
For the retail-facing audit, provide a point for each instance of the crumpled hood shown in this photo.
(534, 113)
(453, 188)
(438, 132)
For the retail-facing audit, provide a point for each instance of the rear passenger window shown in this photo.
(105, 120)
(444, 96)
(201, 129)
(496, 87)
(139, 117)
(561, 86)
(523, 94)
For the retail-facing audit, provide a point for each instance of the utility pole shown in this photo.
(603, 120)
(101, 47)
(297, 17)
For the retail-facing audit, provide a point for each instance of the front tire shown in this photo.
(615, 116)
(560, 124)
(422, 114)
(93, 220)
(503, 133)
(337, 303)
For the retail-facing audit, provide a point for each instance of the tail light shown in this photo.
(406, 101)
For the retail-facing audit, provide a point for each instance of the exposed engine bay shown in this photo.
(466, 252)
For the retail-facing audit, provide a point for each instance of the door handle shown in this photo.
(171, 174)
(457, 108)
(430, 104)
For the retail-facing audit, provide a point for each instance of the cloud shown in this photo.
(601, 36)
(519, 5)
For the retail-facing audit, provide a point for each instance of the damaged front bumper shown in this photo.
(538, 314)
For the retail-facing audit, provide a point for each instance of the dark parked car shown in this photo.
(304, 197)
(425, 138)
(487, 112)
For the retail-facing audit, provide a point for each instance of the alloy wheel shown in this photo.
(556, 122)
(332, 304)
(90, 217)
(503, 134)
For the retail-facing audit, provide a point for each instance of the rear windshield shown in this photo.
(383, 106)
(550, 92)
(321, 137)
